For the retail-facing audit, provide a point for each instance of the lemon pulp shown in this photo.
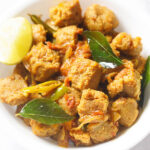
(15, 40)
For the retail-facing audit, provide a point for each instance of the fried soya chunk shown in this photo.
(109, 38)
(44, 130)
(128, 110)
(114, 116)
(63, 137)
(92, 102)
(10, 90)
(39, 33)
(84, 74)
(65, 67)
(42, 62)
(66, 13)
(124, 43)
(70, 101)
(67, 35)
(80, 138)
(126, 82)
(139, 64)
(100, 18)
(21, 70)
(100, 132)
(83, 50)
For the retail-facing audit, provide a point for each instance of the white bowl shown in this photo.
(133, 19)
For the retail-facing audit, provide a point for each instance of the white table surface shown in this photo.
(10, 144)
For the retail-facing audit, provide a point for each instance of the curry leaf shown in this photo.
(145, 80)
(45, 111)
(37, 20)
(101, 50)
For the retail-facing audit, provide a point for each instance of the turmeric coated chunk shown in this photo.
(127, 82)
(67, 35)
(42, 62)
(39, 33)
(21, 70)
(62, 137)
(100, 132)
(83, 50)
(92, 102)
(85, 73)
(65, 67)
(100, 18)
(141, 64)
(10, 90)
(66, 13)
(80, 138)
(70, 101)
(44, 130)
(127, 45)
(128, 110)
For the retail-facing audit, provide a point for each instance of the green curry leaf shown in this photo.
(37, 20)
(45, 111)
(101, 50)
(145, 80)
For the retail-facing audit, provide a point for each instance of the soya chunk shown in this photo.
(42, 62)
(66, 13)
(39, 33)
(141, 61)
(92, 101)
(70, 101)
(83, 50)
(100, 18)
(128, 110)
(10, 90)
(85, 73)
(100, 132)
(44, 130)
(80, 138)
(21, 70)
(67, 35)
(65, 67)
(127, 82)
(127, 45)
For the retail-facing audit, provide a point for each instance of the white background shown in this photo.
(7, 143)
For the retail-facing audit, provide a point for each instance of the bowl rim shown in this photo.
(143, 133)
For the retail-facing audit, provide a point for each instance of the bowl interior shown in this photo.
(131, 21)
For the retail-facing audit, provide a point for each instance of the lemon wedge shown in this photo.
(15, 40)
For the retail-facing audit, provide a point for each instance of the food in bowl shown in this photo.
(81, 80)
